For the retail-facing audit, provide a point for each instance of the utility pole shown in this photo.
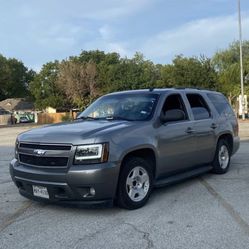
(241, 65)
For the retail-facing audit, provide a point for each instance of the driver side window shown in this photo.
(175, 102)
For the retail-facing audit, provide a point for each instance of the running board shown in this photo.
(182, 176)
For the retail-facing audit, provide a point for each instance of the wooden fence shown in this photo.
(49, 118)
(5, 119)
(42, 118)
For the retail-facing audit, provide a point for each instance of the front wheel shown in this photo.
(222, 158)
(135, 183)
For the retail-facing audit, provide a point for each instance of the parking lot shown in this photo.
(209, 211)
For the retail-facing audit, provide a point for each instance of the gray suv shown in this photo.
(124, 144)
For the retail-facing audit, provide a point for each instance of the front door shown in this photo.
(176, 140)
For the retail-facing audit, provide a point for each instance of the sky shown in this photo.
(39, 31)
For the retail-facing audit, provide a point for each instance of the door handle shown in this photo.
(190, 130)
(213, 126)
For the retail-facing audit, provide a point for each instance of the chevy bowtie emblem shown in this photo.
(40, 152)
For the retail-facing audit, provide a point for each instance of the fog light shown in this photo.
(92, 191)
(89, 192)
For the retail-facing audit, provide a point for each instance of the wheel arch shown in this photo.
(147, 153)
(229, 138)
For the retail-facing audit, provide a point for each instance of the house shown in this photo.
(3, 111)
(17, 108)
(19, 105)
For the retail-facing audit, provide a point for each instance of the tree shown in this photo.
(44, 88)
(227, 65)
(78, 81)
(14, 78)
(95, 56)
(105, 62)
(135, 73)
(189, 72)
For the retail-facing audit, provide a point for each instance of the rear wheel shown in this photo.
(135, 183)
(222, 158)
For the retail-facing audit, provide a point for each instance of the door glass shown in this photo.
(175, 102)
(198, 106)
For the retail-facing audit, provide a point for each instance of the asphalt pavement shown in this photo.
(209, 211)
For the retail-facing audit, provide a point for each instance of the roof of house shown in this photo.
(3, 111)
(16, 104)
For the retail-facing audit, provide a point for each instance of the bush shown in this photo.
(66, 117)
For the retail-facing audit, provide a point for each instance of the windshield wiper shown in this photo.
(87, 118)
(106, 118)
(117, 118)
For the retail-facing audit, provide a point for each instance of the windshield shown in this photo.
(132, 107)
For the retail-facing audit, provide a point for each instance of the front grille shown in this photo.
(43, 161)
(45, 146)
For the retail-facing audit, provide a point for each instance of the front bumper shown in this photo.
(72, 186)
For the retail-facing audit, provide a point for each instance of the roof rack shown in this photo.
(193, 88)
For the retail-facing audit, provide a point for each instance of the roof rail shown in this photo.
(193, 88)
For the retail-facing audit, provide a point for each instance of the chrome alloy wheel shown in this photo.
(137, 184)
(223, 156)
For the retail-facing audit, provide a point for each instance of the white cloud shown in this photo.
(106, 32)
(108, 43)
(109, 46)
(204, 36)
(40, 31)
(110, 9)
(94, 9)
(120, 48)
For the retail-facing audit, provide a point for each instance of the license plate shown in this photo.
(40, 191)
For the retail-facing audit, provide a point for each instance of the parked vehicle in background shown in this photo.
(24, 120)
(126, 143)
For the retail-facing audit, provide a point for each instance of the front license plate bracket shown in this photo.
(40, 191)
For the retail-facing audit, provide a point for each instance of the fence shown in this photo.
(5, 119)
(42, 118)
(49, 118)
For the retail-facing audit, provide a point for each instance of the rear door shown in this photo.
(204, 128)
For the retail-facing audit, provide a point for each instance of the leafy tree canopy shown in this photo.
(227, 65)
(44, 89)
(78, 80)
(14, 78)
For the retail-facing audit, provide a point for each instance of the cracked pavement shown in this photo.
(210, 211)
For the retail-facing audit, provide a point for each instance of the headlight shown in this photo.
(16, 148)
(92, 153)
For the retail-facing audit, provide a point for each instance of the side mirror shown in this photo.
(172, 115)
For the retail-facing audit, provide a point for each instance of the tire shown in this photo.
(135, 183)
(222, 157)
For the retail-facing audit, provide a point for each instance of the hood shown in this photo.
(72, 132)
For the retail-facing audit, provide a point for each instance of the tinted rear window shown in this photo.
(198, 106)
(220, 103)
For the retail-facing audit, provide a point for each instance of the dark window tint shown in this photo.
(200, 113)
(174, 102)
(220, 103)
(198, 106)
